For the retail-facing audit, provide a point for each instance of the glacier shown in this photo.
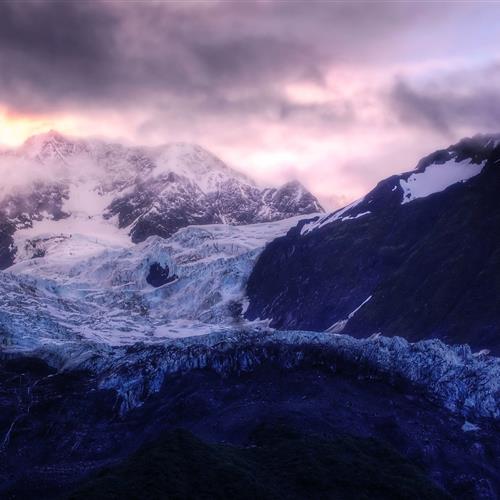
(78, 293)
(79, 302)
(465, 383)
(79, 286)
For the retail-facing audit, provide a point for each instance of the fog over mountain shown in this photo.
(334, 95)
(74, 186)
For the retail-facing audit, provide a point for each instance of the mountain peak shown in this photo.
(196, 163)
(414, 257)
(44, 137)
(50, 146)
(152, 191)
(476, 149)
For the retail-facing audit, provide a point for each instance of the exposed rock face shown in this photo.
(7, 250)
(159, 275)
(142, 191)
(162, 205)
(418, 257)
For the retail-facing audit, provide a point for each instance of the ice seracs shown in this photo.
(449, 375)
(81, 295)
(95, 286)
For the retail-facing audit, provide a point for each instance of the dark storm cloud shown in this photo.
(52, 30)
(52, 49)
(419, 108)
(461, 99)
(275, 87)
(116, 53)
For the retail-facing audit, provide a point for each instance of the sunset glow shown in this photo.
(16, 128)
(335, 95)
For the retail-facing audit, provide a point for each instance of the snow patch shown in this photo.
(331, 217)
(73, 238)
(357, 216)
(436, 178)
(469, 427)
(340, 325)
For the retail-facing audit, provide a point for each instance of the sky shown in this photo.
(338, 95)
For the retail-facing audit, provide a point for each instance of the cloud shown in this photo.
(463, 99)
(51, 51)
(279, 89)
(62, 53)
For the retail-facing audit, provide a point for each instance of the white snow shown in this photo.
(84, 199)
(195, 163)
(76, 237)
(469, 427)
(338, 326)
(482, 352)
(436, 178)
(357, 216)
(333, 216)
(351, 314)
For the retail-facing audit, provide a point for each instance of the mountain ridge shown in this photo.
(418, 256)
(141, 191)
(105, 343)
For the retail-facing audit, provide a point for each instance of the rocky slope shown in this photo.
(94, 405)
(138, 190)
(279, 463)
(418, 257)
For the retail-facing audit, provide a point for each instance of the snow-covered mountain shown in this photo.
(91, 187)
(116, 321)
(418, 256)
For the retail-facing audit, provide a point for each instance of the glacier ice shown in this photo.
(84, 287)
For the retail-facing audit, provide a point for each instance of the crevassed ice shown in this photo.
(85, 288)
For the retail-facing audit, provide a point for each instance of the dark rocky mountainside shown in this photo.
(289, 425)
(162, 205)
(418, 257)
(278, 463)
